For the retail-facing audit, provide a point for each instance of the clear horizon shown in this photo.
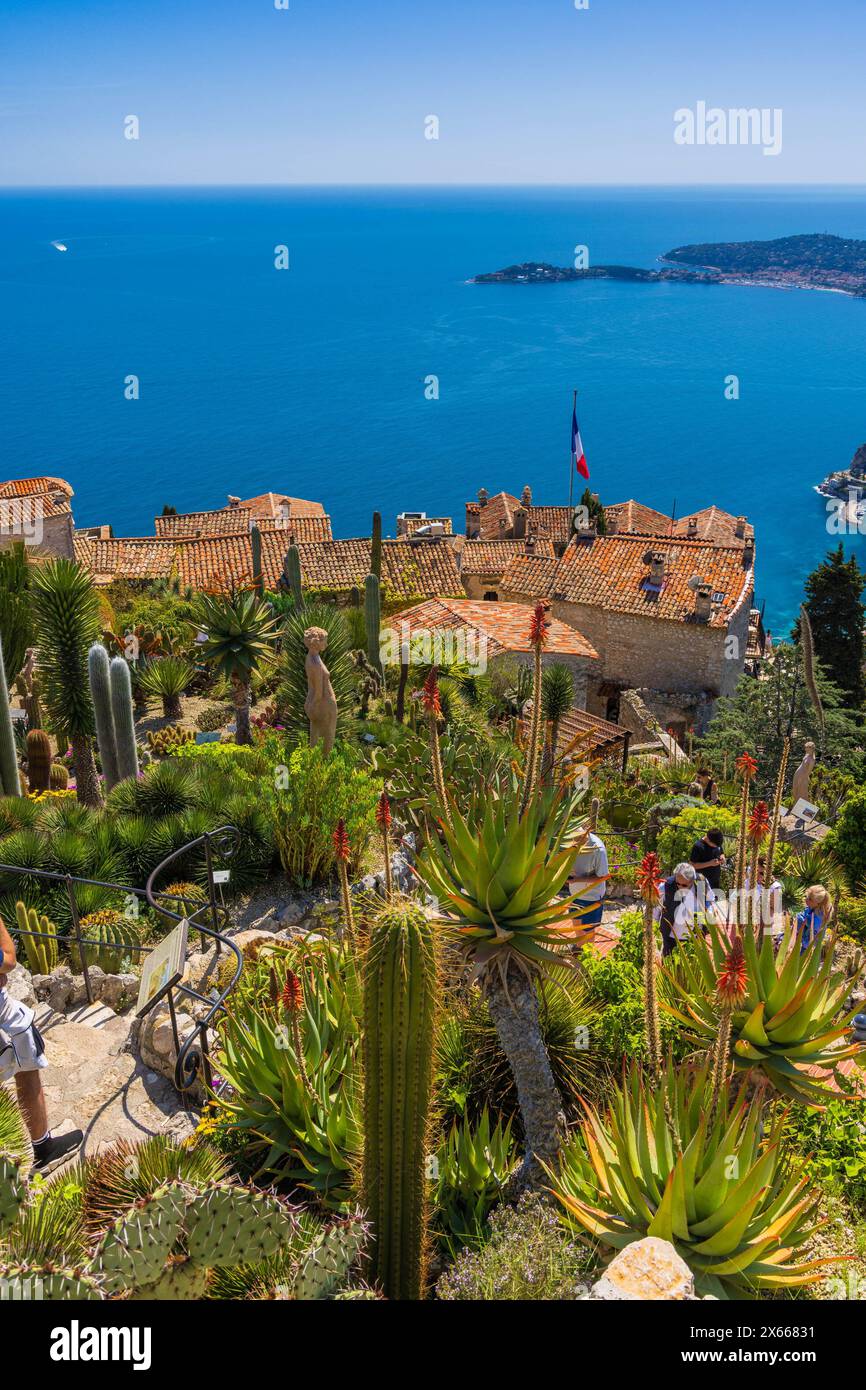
(242, 94)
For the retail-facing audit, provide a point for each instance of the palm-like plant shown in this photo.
(496, 874)
(740, 1226)
(557, 698)
(66, 619)
(240, 632)
(788, 1019)
(167, 677)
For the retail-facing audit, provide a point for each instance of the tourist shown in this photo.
(815, 915)
(707, 783)
(766, 904)
(687, 900)
(22, 1055)
(707, 857)
(588, 881)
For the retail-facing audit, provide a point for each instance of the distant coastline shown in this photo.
(816, 261)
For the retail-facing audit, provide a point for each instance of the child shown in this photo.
(815, 915)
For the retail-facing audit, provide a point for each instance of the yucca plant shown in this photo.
(727, 1200)
(66, 619)
(240, 635)
(167, 678)
(496, 874)
(789, 1017)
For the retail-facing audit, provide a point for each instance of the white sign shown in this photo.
(804, 810)
(163, 967)
(221, 875)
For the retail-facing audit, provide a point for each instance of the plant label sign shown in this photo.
(221, 875)
(162, 968)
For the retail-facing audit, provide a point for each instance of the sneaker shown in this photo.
(53, 1151)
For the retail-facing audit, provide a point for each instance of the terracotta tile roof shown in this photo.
(634, 516)
(83, 548)
(408, 569)
(297, 528)
(496, 518)
(411, 524)
(133, 558)
(612, 573)
(712, 524)
(212, 523)
(216, 562)
(505, 626)
(491, 557)
(552, 522)
(271, 504)
(29, 487)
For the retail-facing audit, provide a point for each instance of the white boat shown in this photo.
(60, 246)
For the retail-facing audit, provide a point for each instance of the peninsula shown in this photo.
(814, 261)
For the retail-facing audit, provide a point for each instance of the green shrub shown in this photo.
(527, 1257)
(832, 1141)
(312, 792)
(848, 839)
(617, 1029)
(679, 835)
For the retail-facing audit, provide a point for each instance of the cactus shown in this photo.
(292, 574)
(48, 1283)
(256, 547)
(124, 723)
(108, 937)
(398, 1044)
(185, 898)
(98, 668)
(58, 778)
(376, 547)
(166, 740)
(38, 760)
(41, 950)
(136, 1247)
(9, 783)
(231, 1225)
(373, 619)
(13, 1191)
(327, 1265)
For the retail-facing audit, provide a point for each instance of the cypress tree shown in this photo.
(834, 602)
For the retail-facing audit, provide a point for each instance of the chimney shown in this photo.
(740, 528)
(693, 528)
(502, 526)
(703, 602)
(520, 519)
(234, 501)
(611, 521)
(530, 545)
(657, 567)
(748, 553)
(483, 497)
(526, 496)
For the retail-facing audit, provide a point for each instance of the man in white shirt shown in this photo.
(687, 902)
(588, 879)
(22, 1056)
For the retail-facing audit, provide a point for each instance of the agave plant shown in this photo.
(167, 677)
(788, 1021)
(739, 1225)
(473, 1164)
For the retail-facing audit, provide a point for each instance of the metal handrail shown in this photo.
(224, 840)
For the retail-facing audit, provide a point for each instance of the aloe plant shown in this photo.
(727, 1200)
(789, 1017)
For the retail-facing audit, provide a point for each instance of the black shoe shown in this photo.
(49, 1153)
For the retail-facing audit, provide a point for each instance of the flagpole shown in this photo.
(571, 473)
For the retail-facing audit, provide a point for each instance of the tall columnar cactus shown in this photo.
(41, 949)
(124, 721)
(38, 760)
(376, 547)
(292, 574)
(256, 547)
(398, 1043)
(98, 668)
(9, 783)
(373, 619)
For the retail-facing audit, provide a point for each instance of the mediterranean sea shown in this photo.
(315, 380)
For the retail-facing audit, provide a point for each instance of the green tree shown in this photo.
(240, 633)
(595, 509)
(834, 602)
(16, 626)
(755, 719)
(66, 620)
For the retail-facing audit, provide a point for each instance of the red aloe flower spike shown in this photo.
(746, 766)
(383, 812)
(341, 842)
(293, 994)
(430, 694)
(538, 628)
(732, 981)
(759, 822)
(649, 875)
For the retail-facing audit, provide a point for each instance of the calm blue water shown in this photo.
(311, 381)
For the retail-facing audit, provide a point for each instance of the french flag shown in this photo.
(577, 446)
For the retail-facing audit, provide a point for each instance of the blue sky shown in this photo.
(337, 91)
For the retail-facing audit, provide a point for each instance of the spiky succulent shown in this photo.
(726, 1200)
(789, 1020)
(497, 874)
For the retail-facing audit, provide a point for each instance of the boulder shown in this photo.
(646, 1269)
(19, 985)
(60, 989)
(119, 990)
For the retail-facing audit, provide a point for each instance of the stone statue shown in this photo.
(800, 784)
(320, 706)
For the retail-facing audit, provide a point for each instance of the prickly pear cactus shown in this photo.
(328, 1264)
(234, 1225)
(48, 1284)
(13, 1191)
(181, 1281)
(134, 1251)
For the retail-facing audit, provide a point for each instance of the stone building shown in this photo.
(37, 511)
(669, 618)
